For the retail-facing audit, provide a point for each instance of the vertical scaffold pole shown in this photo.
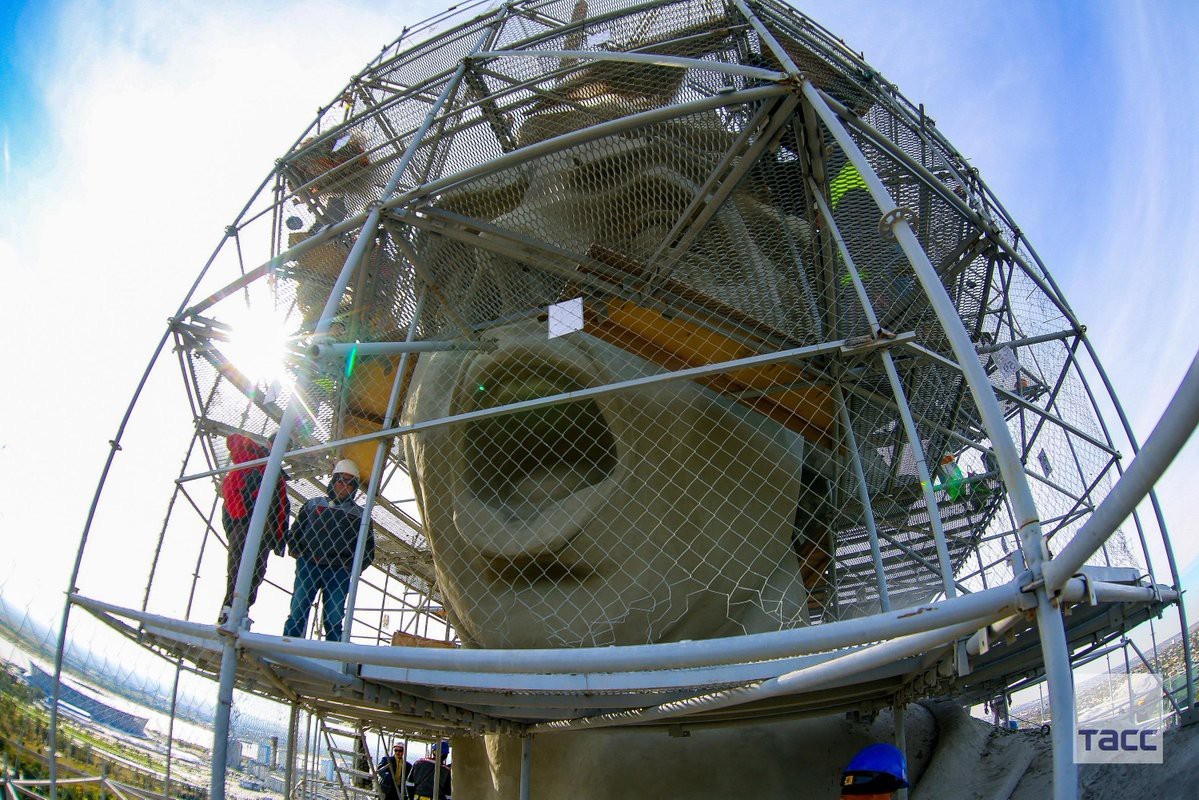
(377, 473)
(310, 748)
(922, 472)
(289, 768)
(901, 404)
(526, 766)
(437, 756)
(876, 553)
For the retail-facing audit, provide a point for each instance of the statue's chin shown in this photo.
(777, 760)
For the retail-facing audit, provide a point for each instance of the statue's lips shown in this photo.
(547, 546)
(534, 479)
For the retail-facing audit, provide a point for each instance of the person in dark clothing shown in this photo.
(393, 774)
(323, 540)
(239, 490)
(425, 780)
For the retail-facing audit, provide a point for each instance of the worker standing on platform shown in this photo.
(393, 774)
(431, 775)
(239, 490)
(323, 540)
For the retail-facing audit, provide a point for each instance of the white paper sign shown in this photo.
(566, 317)
(1006, 361)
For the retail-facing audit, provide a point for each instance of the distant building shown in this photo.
(92, 708)
(234, 754)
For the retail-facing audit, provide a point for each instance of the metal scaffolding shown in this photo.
(690, 269)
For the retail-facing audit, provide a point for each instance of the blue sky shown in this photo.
(134, 131)
(21, 110)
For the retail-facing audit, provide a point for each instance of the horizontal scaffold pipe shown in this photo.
(632, 681)
(802, 680)
(648, 59)
(1078, 590)
(483, 668)
(197, 630)
(1172, 432)
(992, 603)
(797, 353)
(1027, 341)
(318, 672)
(343, 349)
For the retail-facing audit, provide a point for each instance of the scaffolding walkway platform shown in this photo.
(459, 691)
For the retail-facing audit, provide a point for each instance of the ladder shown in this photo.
(353, 770)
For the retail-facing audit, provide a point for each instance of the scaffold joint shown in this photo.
(888, 221)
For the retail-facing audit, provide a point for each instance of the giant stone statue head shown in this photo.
(657, 511)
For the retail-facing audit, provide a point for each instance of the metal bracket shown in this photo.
(1088, 589)
(1028, 584)
(887, 223)
(961, 659)
(983, 640)
(882, 340)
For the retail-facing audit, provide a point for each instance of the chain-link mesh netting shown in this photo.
(615, 350)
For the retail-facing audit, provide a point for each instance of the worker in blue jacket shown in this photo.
(322, 540)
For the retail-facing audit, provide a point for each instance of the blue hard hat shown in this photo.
(877, 768)
(444, 746)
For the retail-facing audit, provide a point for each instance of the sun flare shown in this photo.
(258, 345)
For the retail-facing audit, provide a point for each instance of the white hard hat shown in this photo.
(346, 467)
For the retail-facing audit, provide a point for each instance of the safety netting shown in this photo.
(597, 334)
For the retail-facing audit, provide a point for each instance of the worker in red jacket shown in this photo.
(239, 490)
